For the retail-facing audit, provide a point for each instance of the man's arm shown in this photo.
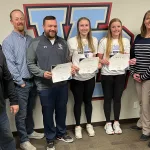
(10, 58)
(67, 52)
(32, 60)
(9, 86)
(68, 57)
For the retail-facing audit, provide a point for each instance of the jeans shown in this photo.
(31, 105)
(24, 119)
(6, 138)
(54, 99)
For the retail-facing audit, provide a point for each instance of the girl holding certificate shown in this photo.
(83, 45)
(113, 81)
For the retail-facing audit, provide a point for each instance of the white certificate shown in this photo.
(119, 61)
(61, 72)
(88, 65)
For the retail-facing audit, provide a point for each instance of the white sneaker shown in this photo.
(108, 128)
(117, 128)
(36, 135)
(90, 130)
(27, 146)
(78, 132)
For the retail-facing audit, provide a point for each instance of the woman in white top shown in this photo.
(113, 81)
(82, 85)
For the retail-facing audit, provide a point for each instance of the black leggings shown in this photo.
(82, 92)
(113, 86)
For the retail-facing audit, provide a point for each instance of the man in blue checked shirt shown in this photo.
(14, 48)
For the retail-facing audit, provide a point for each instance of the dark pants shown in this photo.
(113, 87)
(54, 99)
(82, 92)
(24, 118)
(31, 105)
(6, 138)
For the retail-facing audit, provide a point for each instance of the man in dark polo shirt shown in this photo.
(43, 53)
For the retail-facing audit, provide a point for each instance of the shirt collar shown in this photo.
(19, 34)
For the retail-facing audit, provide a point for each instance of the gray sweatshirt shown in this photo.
(42, 55)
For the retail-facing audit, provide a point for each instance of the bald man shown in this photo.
(14, 48)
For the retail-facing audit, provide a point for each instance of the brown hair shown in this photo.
(109, 38)
(143, 27)
(89, 36)
(48, 18)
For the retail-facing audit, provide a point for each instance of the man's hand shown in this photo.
(47, 75)
(74, 69)
(104, 61)
(132, 61)
(137, 77)
(14, 109)
(23, 85)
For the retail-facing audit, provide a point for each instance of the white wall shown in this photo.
(130, 12)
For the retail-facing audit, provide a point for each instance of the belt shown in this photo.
(27, 79)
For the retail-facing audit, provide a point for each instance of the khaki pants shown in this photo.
(143, 91)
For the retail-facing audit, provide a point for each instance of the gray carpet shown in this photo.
(128, 140)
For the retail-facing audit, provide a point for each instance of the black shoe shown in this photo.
(144, 137)
(50, 146)
(66, 138)
(149, 144)
(135, 128)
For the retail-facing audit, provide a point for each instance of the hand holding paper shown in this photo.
(119, 62)
(61, 72)
(88, 65)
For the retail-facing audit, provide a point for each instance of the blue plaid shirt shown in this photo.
(14, 48)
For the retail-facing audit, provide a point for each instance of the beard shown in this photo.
(50, 34)
(20, 28)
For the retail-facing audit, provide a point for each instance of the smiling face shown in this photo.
(116, 29)
(83, 27)
(147, 21)
(50, 28)
(18, 21)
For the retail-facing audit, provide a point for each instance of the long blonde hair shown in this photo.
(109, 38)
(143, 27)
(89, 36)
